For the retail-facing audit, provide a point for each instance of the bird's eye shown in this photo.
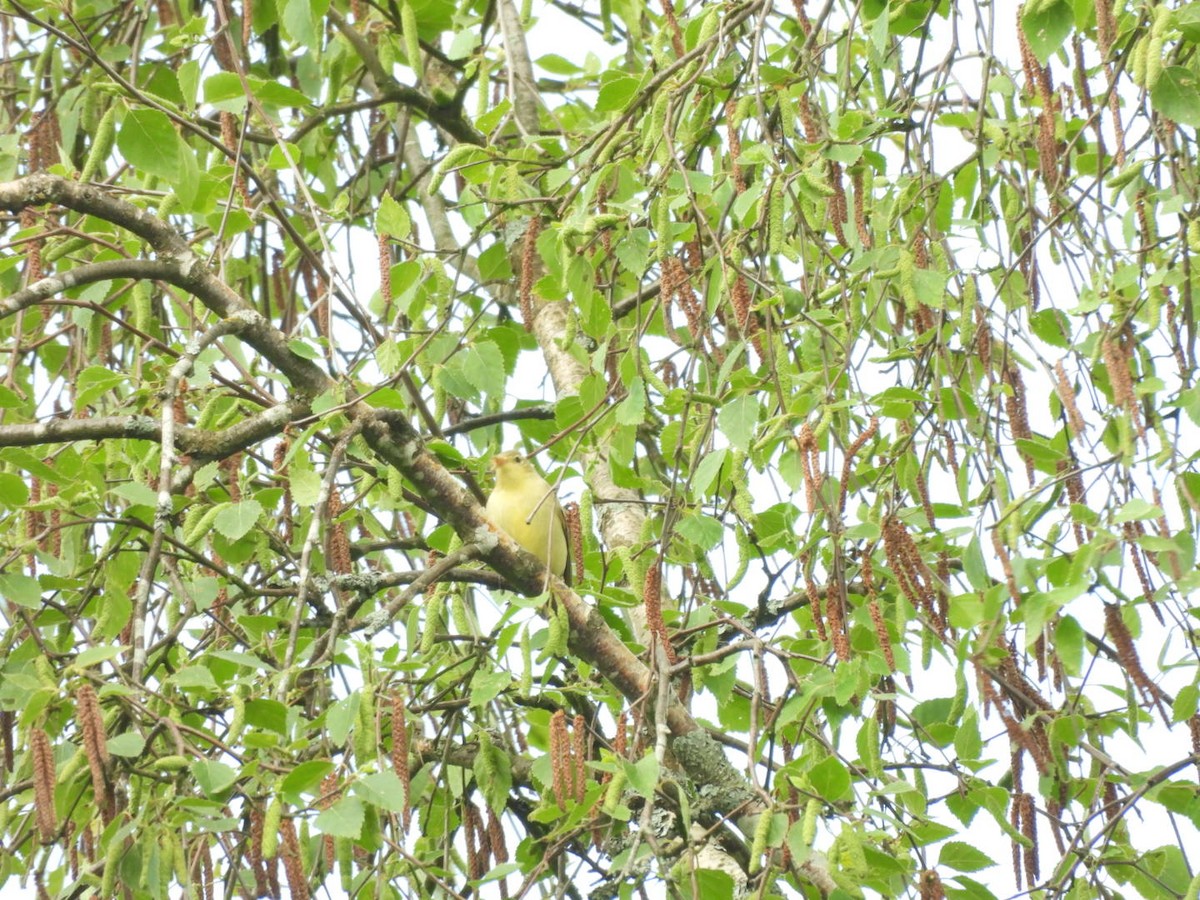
(518, 458)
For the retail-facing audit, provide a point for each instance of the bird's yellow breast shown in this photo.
(524, 505)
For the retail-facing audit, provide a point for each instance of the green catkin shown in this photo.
(854, 857)
(571, 331)
(908, 279)
(808, 826)
(238, 722)
(758, 847)
(412, 45)
(1138, 63)
(926, 648)
(39, 72)
(102, 145)
(395, 484)
(655, 132)
(613, 793)
(173, 763)
(45, 674)
(95, 331)
(556, 633)
(872, 761)
(433, 624)
(775, 218)
(458, 614)
(662, 228)
(1156, 46)
(452, 159)
(483, 94)
(745, 554)
(587, 513)
(526, 664)
(272, 820)
(179, 858)
(787, 114)
(364, 734)
(192, 532)
(143, 313)
(485, 761)
(1193, 235)
(58, 251)
(306, 850)
(814, 177)
(959, 705)
(343, 850)
(169, 204)
(112, 862)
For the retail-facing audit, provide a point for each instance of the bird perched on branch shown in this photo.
(524, 504)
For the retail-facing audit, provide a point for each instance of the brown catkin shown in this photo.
(293, 865)
(810, 463)
(529, 271)
(43, 783)
(91, 724)
(1128, 656)
(735, 145)
(1066, 394)
(814, 606)
(385, 269)
(575, 536)
(400, 745)
(339, 542)
(652, 600)
(560, 758)
(1029, 829)
(254, 852)
(579, 752)
(931, 886)
(673, 25)
(860, 215)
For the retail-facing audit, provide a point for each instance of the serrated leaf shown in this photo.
(382, 789)
(147, 139)
(212, 776)
(1176, 94)
(737, 420)
(963, 857)
(22, 590)
(1046, 26)
(343, 819)
(392, 219)
(237, 518)
(130, 744)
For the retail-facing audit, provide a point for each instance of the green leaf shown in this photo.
(1046, 25)
(89, 656)
(382, 789)
(22, 590)
(392, 219)
(270, 715)
(632, 410)
(1176, 94)
(237, 518)
(224, 91)
(643, 775)
(963, 857)
(1136, 509)
(14, 491)
(147, 139)
(343, 819)
(829, 779)
(615, 93)
(306, 778)
(486, 686)
(130, 744)
(737, 421)
(213, 777)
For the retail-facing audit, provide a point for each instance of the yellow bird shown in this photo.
(526, 507)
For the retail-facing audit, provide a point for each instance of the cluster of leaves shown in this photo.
(883, 367)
